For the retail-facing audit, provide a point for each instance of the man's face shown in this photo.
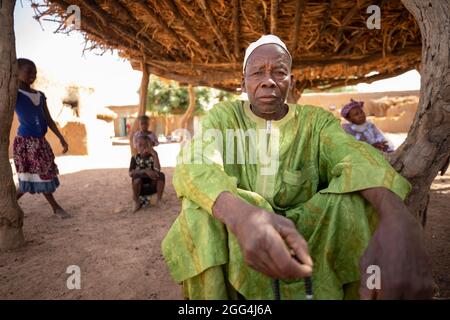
(143, 124)
(267, 78)
(27, 74)
(356, 116)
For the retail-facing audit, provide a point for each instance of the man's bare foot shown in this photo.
(136, 207)
(60, 212)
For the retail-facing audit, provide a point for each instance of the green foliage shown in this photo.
(334, 90)
(225, 96)
(166, 97)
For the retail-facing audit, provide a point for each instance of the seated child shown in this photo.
(145, 172)
(144, 123)
(362, 129)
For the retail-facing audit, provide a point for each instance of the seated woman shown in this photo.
(361, 128)
(145, 172)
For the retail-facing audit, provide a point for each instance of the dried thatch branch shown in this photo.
(236, 27)
(148, 10)
(299, 9)
(213, 23)
(273, 16)
(186, 25)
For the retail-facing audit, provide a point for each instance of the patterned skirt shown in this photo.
(35, 165)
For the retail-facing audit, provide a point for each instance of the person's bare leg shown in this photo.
(137, 185)
(57, 209)
(19, 195)
(160, 183)
(160, 188)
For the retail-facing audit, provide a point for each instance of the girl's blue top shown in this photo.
(32, 121)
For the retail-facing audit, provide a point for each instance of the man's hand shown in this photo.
(397, 247)
(265, 238)
(382, 146)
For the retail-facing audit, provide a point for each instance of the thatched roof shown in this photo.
(202, 42)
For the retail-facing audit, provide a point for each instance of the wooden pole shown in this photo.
(11, 216)
(190, 110)
(143, 97)
(143, 92)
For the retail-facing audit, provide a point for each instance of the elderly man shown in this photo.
(315, 203)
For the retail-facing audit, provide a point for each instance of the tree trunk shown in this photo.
(426, 150)
(167, 126)
(11, 216)
(143, 93)
(190, 110)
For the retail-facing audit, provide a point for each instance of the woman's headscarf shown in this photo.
(349, 106)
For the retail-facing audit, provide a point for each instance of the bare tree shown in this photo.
(11, 216)
(426, 151)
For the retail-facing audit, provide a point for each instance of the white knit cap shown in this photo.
(266, 39)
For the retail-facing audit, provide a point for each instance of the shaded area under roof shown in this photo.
(203, 42)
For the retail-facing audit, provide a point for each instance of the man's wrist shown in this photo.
(228, 209)
(219, 208)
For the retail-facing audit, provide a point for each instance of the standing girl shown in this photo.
(33, 156)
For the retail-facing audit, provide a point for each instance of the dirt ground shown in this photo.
(437, 232)
(119, 253)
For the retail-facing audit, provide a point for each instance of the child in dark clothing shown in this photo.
(145, 172)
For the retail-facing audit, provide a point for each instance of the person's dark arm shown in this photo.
(52, 125)
(132, 169)
(397, 247)
(154, 139)
(156, 163)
